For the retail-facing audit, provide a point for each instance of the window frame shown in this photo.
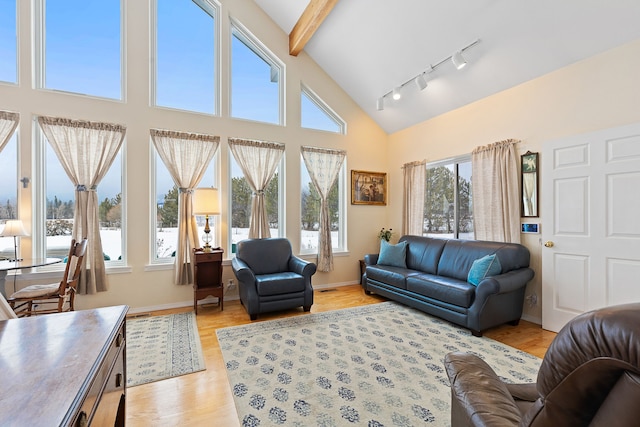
(39, 44)
(16, 16)
(342, 247)
(281, 171)
(39, 207)
(156, 262)
(236, 29)
(324, 107)
(211, 7)
(455, 161)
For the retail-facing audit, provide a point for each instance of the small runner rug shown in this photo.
(376, 365)
(160, 347)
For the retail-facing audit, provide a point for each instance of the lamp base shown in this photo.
(207, 248)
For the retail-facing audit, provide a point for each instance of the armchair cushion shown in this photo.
(279, 283)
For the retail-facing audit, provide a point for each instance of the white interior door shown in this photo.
(591, 230)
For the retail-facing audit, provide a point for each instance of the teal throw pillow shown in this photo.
(484, 267)
(393, 255)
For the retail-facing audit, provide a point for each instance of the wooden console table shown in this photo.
(64, 369)
(207, 278)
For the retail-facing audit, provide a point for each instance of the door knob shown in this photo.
(548, 244)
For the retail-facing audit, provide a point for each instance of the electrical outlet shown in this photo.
(231, 284)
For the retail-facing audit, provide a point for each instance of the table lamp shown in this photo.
(205, 202)
(14, 228)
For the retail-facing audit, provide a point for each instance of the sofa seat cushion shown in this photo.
(445, 289)
(393, 276)
(279, 283)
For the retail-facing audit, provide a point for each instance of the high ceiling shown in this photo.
(371, 46)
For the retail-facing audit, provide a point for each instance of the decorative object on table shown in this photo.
(205, 202)
(368, 188)
(53, 297)
(379, 364)
(14, 228)
(385, 234)
(529, 189)
(160, 347)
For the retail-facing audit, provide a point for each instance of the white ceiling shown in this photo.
(370, 46)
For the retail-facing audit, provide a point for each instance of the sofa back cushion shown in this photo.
(458, 256)
(423, 253)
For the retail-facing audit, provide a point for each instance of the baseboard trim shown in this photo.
(532, 319)
(213, 300)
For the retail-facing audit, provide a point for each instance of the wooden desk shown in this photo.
(64, 369)
(207, 277)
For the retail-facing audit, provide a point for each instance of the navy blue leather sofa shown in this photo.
(435, 281)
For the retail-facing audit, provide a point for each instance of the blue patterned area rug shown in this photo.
(160, 347)
(377, 365)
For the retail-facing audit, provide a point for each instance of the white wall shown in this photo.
(141, 286)
(597, 93)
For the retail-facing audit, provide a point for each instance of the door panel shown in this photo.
(592, 182)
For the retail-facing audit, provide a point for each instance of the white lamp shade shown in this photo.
(205, 201)
(421, 82)
(458, 60)
(13, 228)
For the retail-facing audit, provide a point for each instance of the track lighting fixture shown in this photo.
(458, 60)
(421, 79)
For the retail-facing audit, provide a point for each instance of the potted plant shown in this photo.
(385, 234)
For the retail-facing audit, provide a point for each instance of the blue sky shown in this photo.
(83, 56)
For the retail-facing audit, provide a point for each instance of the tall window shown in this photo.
(241, 203)
(185, 55)
(165, 227)
(8, 191)
(82, 48)
(256, 79)
(448, 210)
(8, 42)
(310, 212)
(316, 114)
(59, 204)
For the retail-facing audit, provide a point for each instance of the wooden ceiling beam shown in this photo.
(308, 24)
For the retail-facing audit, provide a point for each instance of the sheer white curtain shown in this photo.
(8, 124)
(415, 176)
(86, 151)
(323, 166)
(258, 161)
(496, 199)
(186, 156)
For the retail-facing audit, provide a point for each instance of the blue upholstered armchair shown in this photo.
(270, 277)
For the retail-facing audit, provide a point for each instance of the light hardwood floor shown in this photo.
(204, 398)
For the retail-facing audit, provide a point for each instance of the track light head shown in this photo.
(396, 93)
(380, 104)
(458, 60)
(421, 82)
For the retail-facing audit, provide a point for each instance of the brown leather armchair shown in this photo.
(590, 376)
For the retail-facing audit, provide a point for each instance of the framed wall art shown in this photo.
(368, 188)
(529, 190)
